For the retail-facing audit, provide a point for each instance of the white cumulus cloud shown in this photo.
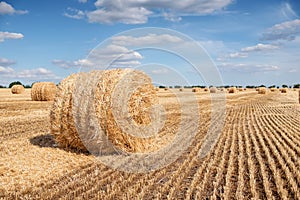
(6, 8)
(138, 11)
(247, 68)
(259, 47)
(9, 35)
(284, 31)
(6, 70)
(6, 62)
(74, 13)
(149, 39)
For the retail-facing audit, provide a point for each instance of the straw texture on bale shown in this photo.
(284, 90)
(17, 89)
(232, 90)
(43, 91)
(196, 90)
(213, 90)
(139, 108)
(262, 90)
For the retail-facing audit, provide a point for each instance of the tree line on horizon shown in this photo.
(178, 86)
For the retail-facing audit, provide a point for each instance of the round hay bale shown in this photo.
(43, 91)
(206, 89)
(284, 90)
(232, 90)
(166, 89)
(241, 89)
(180, 89)
(213, 90)
(196, 90)
(17, 89)
(262, 90)
(273, 89)
(139, 108)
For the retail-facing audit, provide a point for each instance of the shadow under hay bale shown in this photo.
(48, 141)
(44, 141)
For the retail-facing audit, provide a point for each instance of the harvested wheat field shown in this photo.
(257, 155)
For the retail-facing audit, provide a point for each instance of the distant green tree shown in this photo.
(297, 85)
(27, 86)
(262, 86)
(2, 86)
(14, 83)
(272, 86)
(285, 86)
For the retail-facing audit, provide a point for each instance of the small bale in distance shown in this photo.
(43, 91)
(17, 89)
(284, 90)
(213, 90)
(205, 89)
(196, 90)
(262, 90)
(273, 89)
(232, 90)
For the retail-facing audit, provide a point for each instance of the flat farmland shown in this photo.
(257, 155)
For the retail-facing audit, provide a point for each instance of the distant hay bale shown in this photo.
(139, 108)
(273, 89)
(232, 90)
(180, 89)
(213, 90)
(206, 89)
(196, 90)
(262, 90)
(17, 89)
(166, 89)
(284, 90)
(157, 89)
(257, 89)
(299, 96)
(43, 91)
(241, 89)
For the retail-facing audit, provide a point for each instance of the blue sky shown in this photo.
(249, 42)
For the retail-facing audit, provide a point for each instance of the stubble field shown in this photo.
(257, 155)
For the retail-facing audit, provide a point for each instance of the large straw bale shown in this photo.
(17, 89)
(106, 93)
(43, 91)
